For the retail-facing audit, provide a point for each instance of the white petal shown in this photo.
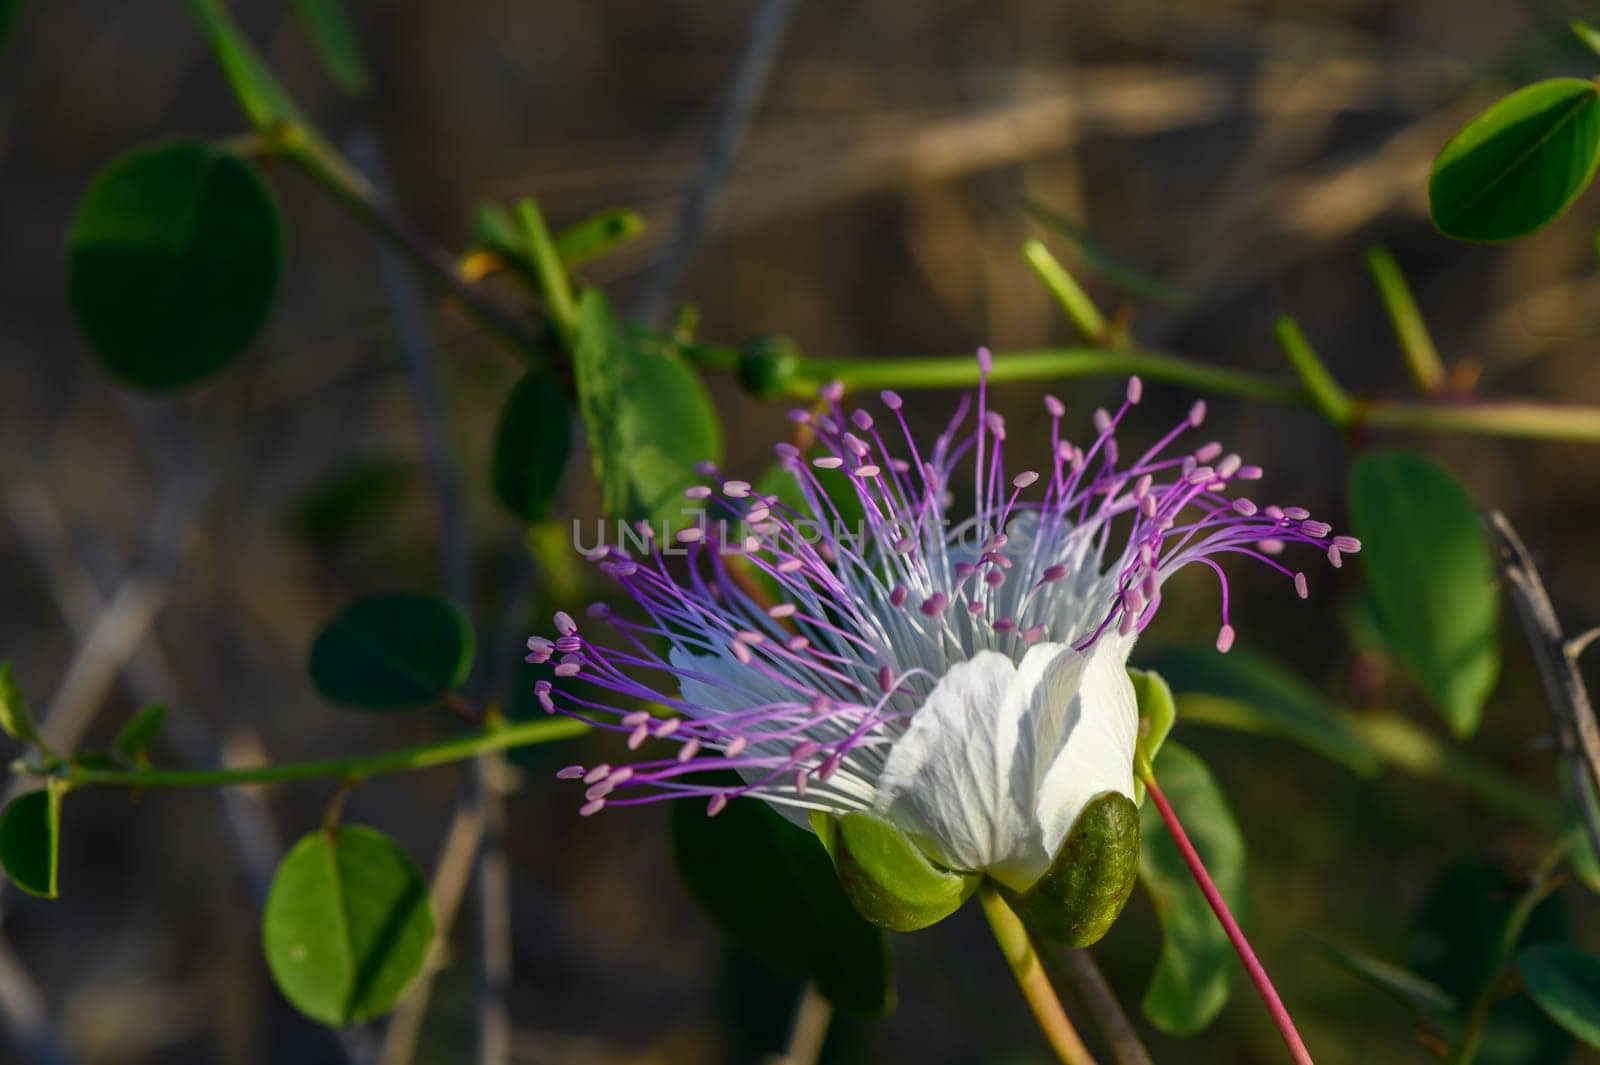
(954, 780)
(1094, 744)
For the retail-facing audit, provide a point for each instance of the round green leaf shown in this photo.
(1190, 983)
(1432, 577)
(173, 262)
(531, 447)
(771, 889)
(392, 652)
(1566, 985)
(30, 835)
(347, 926)
(1518, 165)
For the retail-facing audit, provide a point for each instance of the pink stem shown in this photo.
(1247, 957)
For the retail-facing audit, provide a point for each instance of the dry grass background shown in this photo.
(1244, 152)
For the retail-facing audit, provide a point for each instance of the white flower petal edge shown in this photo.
(1001, 757)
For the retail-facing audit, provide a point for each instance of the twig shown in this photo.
(493, 871)
(79, 597)
(1556, 658)
(1023, 959)
(812, 1015)
(26, 1017)
(450, 875)
(1089, 990)
(732, 122)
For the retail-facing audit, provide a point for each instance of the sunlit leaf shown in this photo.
(647, 416)
(259, 93)
(16, 719)
(531, 447)
(30, 841)
(134, 738)
(347, 925)
(1252, 693)
(1102, 262)
(597, 234)
(392, 652)
(1566, 985)
(1428, 564)
(1157, 712)
(1190, 983)
(1520, 164)
(332, 34)
(772, 890)
(173, 262)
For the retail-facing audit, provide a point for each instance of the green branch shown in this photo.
(354, 768)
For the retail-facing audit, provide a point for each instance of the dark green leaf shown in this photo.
(1566, 985)
(392, 652)
(328, 25)
(173, 262)
(1518, 165)
(134, 740)
(1423, 996)
(9, 10)
(1190, 983)
(1428, 564)
(1457, 943)
(16, 719)
(771, 889)
(531, 447)
(647, 415)
(347, 926)
(30, 841)
(355, 497)
(1251, 692)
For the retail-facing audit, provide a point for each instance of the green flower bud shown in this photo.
(1085, 888)
(887, 877)
(767, 364)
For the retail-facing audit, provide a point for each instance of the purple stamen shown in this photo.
(803, 693)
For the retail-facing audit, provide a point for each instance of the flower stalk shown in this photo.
(1032, 980)
(1219, 906)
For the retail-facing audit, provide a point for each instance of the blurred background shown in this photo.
(188, 549)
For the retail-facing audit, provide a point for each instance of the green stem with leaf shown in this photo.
(1541, 882)
(352, 768)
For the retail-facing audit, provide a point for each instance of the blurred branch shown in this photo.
(738, 106)
(1075, 969)
(809, 1032)
(487, 808)
(1516, 418)
(1557, 661)
(449, 884)
(26, 1017)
